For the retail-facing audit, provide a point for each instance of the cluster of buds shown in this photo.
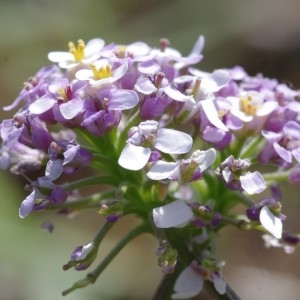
(176, 146)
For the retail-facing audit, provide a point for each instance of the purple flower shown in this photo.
(103, 111)
(64, 99)
(36, 86)
(282, 145)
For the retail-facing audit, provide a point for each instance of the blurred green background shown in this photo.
(262, 36)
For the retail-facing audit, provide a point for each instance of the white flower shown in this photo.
(251, 104)
(80, 54)
(134, 156)
(101, 73)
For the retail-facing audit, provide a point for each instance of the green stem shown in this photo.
(253, 147)
(276, 177)
(92, 276)
(86, 202)
(132, 121)
(102, 232)
(95, 180)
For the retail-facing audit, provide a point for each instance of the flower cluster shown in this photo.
(173, 145)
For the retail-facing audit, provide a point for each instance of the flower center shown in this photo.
(121, 52)
(78, 52)
(102, 72)
(247, 106)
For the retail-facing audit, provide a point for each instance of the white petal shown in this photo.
(184, 79)
(188, 284)
(215, 81)
(122, 99)
(84, 74)
(85, 251)
(119, 72)
(148, 68)
(93, 46)
(59, 56)
(134, 157)
(175, 94)
(41, 105)
(138, 48)
(266, 108)
(173, 141)
(71, 109)
(27, 205)
(219, 283)
(211, 113)
(54, 169)
(145, 86)
(204, 158)
(270, 222)
(175, 214)
(162, 170)
(253, 183)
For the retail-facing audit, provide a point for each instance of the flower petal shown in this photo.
(253, 183)
(72, 108)
(188, 284)
(175, 94)
(173, 141)
(41, 105)
(212, 115)
(122, 99)
(54, 169)
(162, 170)
(219, 283)
(270, 222)
(175, 214)
(134, 157)
(27, 205)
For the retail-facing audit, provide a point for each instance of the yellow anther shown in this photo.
(62, 94)
(102, 72)
(247, 107)
(78, 52)
(121, 52)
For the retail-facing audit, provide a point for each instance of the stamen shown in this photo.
(247, 106)
(78, 52)
(102, 72)
(196, 87)
(121, 52)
